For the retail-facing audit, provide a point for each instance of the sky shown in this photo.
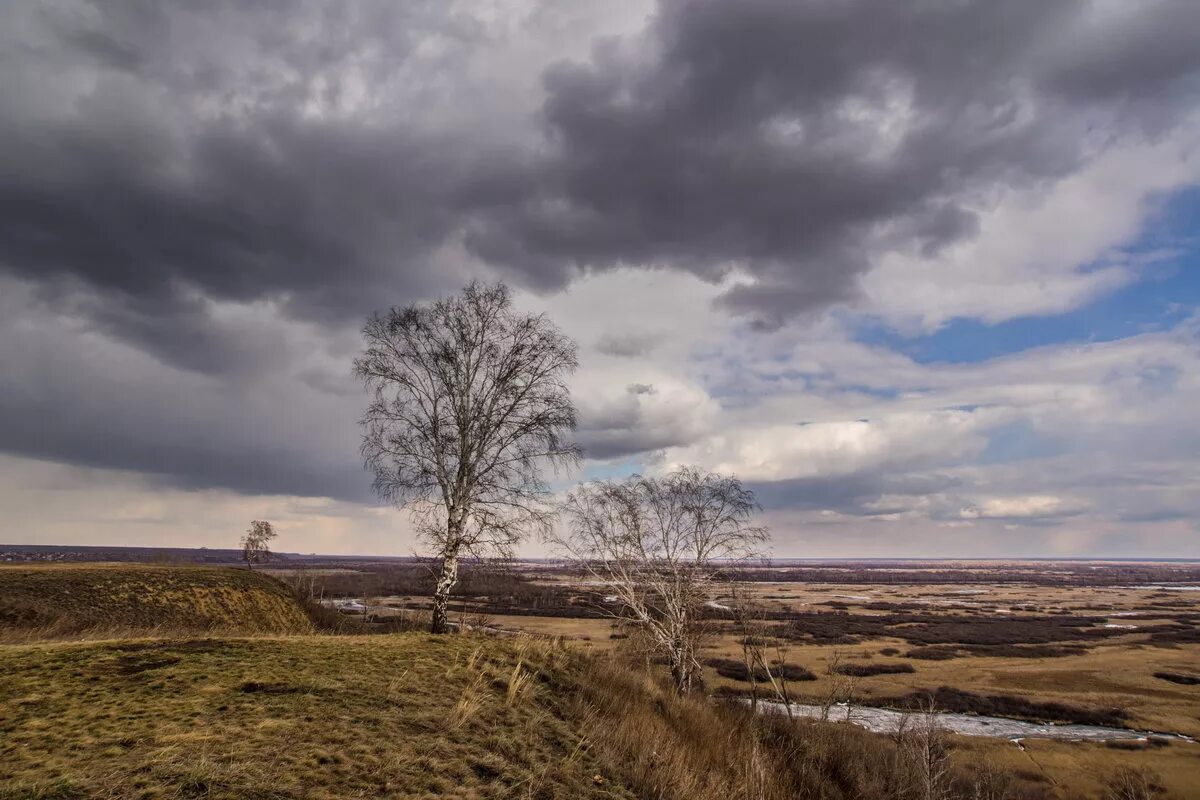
(924, 274)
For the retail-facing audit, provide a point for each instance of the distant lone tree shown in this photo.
(657, 545)
(256, 543)
(468, 404)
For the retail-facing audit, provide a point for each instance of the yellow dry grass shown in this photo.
(1118, 672)
(95, 600)
(407, 715)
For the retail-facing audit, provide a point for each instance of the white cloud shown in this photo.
(1027, 507)
(832, 449)
(1046, 249)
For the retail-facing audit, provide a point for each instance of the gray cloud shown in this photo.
(799, 140)
(158, 155)
(857, 495)
(186, 183)
(311, 153)
(627, 345)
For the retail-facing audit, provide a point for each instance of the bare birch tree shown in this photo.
(468, 404)
(256, 543)
(658, 545)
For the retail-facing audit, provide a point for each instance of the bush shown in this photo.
(867, 670)
(1133, 784)
(946, 698)
(932, 653)
(1173, 677)
(966, 629)
(946, 652)
(736, 670)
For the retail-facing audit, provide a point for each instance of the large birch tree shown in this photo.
(469, 405)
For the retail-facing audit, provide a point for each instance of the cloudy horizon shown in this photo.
(933, 295)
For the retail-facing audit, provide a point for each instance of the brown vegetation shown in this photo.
(93, 600)
(946, 698)
(958, 629)
(684, 748)
(867, 670)
(1184, 680)
(946, 652)
(738, 671)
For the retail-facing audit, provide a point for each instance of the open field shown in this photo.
(1049, 648)
(196, 708)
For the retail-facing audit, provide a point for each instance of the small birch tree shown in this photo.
(658, 545)
(256, 543)
(468, 404)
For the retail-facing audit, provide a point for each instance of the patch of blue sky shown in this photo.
(1166, 292)
(613, 470)
(1017, 441)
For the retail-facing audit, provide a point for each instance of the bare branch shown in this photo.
(658, 545)
(468, 406)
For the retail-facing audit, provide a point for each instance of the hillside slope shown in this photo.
(65, 599)
(379, 716)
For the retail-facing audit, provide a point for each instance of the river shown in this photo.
(884, 720)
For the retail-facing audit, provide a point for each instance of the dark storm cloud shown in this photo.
(760, 133)
(85, 400)
(296, 152)
(160, 154)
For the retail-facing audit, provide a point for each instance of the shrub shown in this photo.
(1133, 784)
(736, 670)
(1173, 677)
(932, 653)
(867, 670)
(946, 698)
(946, 652)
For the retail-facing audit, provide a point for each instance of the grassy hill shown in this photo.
(316, 716)
(67, 599)
(407, 716)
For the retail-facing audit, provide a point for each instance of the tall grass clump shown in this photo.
(689, 748)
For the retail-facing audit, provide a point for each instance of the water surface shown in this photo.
(886, 720)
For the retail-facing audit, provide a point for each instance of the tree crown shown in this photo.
(468, 404)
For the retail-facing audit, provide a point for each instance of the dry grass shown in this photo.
(413, 715)
(409, 715)
(109, 600)
(1119, 672)
(673, 748)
